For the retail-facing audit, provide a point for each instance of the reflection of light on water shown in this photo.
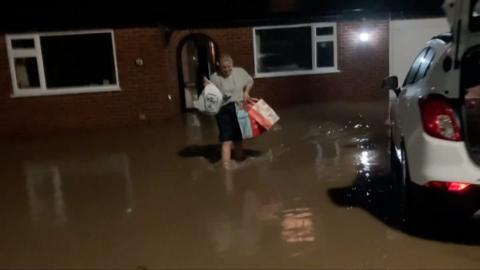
(365, 158)
(297, 225)
(361, 140)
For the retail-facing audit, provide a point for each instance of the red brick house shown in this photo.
(127, 76)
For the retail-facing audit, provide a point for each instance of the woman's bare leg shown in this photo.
(227, 154)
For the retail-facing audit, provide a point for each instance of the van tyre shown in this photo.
(409, 196)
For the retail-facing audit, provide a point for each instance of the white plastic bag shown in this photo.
(210, 100)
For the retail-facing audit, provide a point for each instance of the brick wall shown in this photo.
(362, 66)
(145, 89)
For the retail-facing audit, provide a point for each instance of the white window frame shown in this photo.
(37, 53)
(315, 40)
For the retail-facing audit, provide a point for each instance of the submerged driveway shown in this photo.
(315, 192)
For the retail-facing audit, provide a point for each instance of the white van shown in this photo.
(435, 120)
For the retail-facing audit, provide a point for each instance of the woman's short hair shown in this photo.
(226, 58)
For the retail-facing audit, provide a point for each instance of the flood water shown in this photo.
(314, 192)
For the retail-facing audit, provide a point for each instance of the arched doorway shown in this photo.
(196, 58)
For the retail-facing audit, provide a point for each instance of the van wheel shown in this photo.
(411, 206)
(394, 164)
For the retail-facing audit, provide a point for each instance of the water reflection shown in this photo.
(194, 128)
(297, 225)
(41, 180)
(367, 161)
(328, 160)
(237, 230)
(60, 189)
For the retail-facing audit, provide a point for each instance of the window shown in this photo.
(425, 65)
(62, 63)
(420, 66)
(475, 16)
(295, 49)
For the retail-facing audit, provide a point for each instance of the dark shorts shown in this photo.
(228, 124)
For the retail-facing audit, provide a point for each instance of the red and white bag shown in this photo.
(263, 114)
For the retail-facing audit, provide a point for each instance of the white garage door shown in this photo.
(407, 38)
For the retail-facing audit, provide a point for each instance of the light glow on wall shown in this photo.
(364, 37)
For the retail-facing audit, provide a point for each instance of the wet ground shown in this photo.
(315, 192)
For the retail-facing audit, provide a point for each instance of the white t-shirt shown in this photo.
(232, 86)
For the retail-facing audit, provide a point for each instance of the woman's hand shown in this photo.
(246, 97)
(246, 93)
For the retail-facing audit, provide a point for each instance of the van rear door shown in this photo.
(464, 19)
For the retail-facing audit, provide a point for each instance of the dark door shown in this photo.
(196, 58)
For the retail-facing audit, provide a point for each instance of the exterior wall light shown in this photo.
(364, 36)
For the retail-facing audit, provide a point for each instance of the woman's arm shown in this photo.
(246, 91)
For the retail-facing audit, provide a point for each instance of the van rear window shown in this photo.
(475, 16)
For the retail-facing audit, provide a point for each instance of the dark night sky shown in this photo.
(181, 13)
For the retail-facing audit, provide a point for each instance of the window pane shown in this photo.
(324, 31)
(414, 68)
(425, 64)
(325, 54)
(26, 70)
(475, 9)
(287, 49)
(78, 60)
(475, 16)
(23, 43)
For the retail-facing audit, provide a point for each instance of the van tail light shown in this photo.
(439, 120)
(448, 186)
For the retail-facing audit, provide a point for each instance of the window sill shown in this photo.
(296, 73)
(64, 91)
